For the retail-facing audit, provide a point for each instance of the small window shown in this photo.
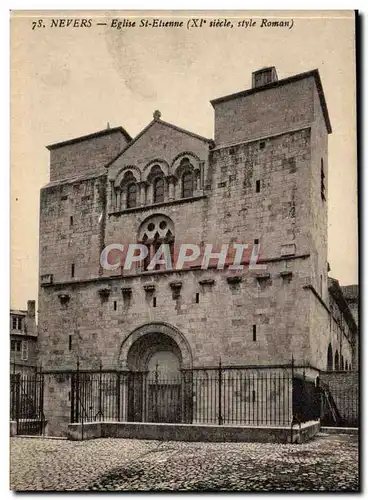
(197, 298)
(70, 342)
(158, 190)
(262, 145)
(18, 345)
(132, 195)
(253, 396)
(71, 221)
(12, 345)
(115, 305)
(187, 185)
(258, 186)
(256, 241)
(24, 350)
(254, 333)
(14, 323)
(323, 189)
(19, 326)
(73, 270)
(154, 302)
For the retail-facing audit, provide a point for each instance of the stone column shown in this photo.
(201, 175)
(149, 194)
(118, 193)
(112, 197)
(170, 182)
(142, 193)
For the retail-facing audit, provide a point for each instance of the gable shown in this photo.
(159, 141)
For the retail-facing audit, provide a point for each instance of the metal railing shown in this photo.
(217, 395)
(26, 402)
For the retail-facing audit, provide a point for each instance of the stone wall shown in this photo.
(344, 387)
(57, 404)
(85, 157)
(264, 113)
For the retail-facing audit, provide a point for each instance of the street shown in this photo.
(328, 463)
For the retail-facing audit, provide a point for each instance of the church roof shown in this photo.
(166, 124)
(100, 133)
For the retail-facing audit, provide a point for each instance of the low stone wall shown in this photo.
(340, 430)
(190, 432)
(13, 428)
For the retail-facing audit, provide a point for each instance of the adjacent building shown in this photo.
(23, 339)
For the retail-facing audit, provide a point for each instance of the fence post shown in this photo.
(220, 420)
(77, 392)
(156, 394)
(17, 398)
(292, 398)
(118, 395)
(100, 392)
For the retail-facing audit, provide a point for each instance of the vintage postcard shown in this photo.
(184, 251)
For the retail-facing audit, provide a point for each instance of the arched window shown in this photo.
(187, 184)
(329, 358)
(132, 195)
(337, 364)
(155, 231)
(158, 190)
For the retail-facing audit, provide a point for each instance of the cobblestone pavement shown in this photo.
(328, 463)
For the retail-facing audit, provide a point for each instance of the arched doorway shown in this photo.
(329, 358)
(155, 356)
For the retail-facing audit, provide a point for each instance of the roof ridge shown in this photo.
(81, 138)
(167, 124)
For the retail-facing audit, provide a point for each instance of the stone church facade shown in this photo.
(262, 180)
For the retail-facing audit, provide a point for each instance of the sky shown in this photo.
(67, 82)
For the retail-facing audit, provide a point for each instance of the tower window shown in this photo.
(132, 195)
(254, 333)
(73, 270)
(323, 188)
(115, 305)
(158, 190)
(187, 185)
(154, 302)
(71, 221)
(197, 298)
(70, 342)
(258, 186)
(253, 396)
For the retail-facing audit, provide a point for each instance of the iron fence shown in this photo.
(221, 395)
(26, 402)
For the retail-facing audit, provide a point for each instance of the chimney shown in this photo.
(264, 76)
(31, 308)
